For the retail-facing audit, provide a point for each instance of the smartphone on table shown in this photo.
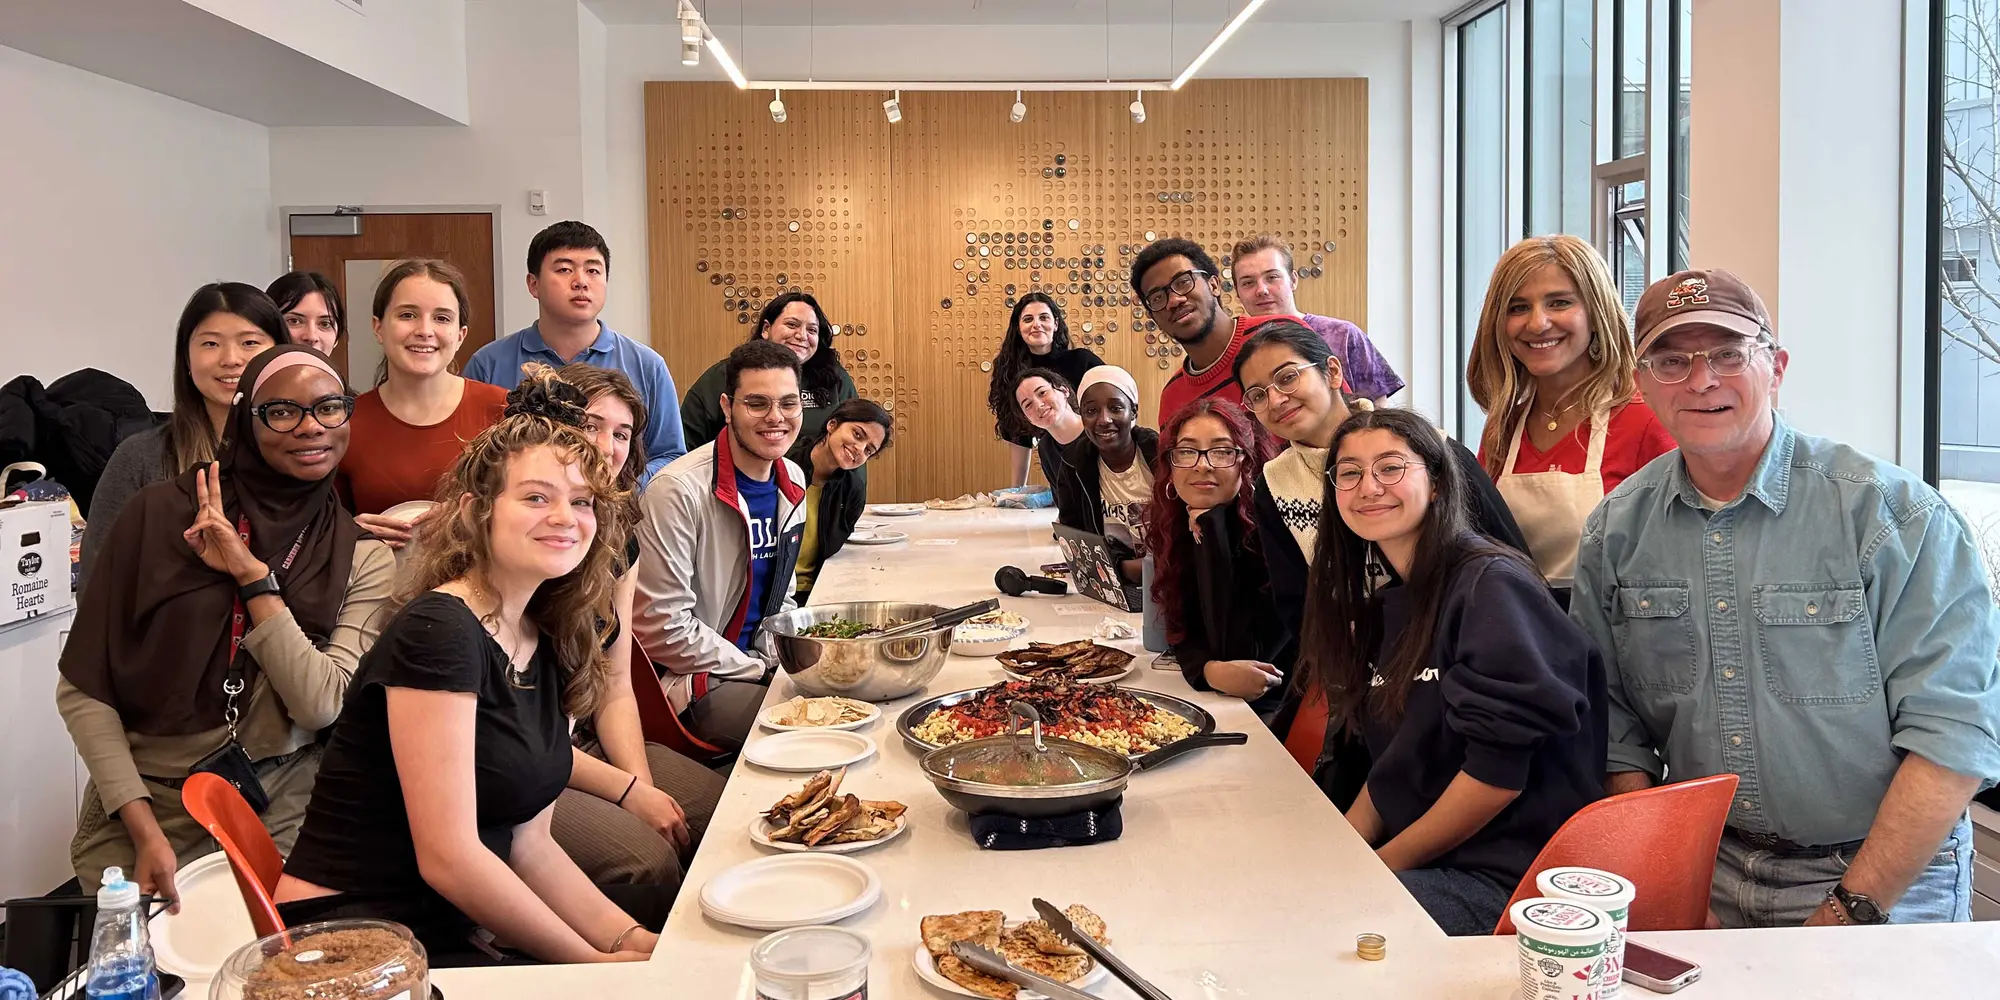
(1656, 970)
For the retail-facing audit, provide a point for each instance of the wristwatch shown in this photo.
(258, 588)
(1860, 909)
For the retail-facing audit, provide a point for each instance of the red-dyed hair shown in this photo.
(1166, 518)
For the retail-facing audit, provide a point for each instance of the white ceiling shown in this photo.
(182, 51)
(1054, 12)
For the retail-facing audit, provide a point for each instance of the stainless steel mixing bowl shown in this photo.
(866, 668)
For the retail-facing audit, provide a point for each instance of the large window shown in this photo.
(1559, 116)
(1562, 116)
(1968, 277)
(1483, 230)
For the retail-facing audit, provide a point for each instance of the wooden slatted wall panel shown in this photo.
(891, 220)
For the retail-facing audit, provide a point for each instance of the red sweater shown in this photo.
(389, 462)
(1633, 438)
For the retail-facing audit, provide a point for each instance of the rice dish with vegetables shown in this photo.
(1096, 714)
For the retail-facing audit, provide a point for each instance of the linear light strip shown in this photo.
(1216, 42)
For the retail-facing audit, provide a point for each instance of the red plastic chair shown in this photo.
(1307, 737)
(220, 809)
(1661, 839)
(658, 721)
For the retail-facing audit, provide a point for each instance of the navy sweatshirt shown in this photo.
(1514, 696)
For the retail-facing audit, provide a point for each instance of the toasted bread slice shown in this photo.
(981, 927)
(1021, 951)
(845, 808)
(1043, 938)
(1089, 923)
(975, 980)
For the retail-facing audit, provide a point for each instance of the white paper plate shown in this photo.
(985, 647)
(865, 523)
(760, 834)
(927, 971)
(409, 510)
(790, 890)
(1104, 679)
(809, 750)
(765, 717)
(896, 509)
(212, 924)
(877, 536)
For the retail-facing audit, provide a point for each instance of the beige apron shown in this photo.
(1550, 506)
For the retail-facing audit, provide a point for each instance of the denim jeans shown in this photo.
(1464, 904)
(1760, 888)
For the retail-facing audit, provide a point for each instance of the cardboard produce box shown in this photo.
(34, 560)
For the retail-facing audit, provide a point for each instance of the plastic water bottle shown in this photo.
(121, 949)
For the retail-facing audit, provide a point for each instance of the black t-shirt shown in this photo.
(1070, 364)
(357, 837)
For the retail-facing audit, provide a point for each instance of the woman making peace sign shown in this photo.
(244, 572)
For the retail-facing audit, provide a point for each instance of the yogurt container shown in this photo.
(1561, 946)
(1607, 891)
(812, 963)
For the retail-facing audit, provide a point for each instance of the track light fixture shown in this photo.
(1019, 111)
(778, 106)
(691, 37)
(1138, 108)
(893, 108)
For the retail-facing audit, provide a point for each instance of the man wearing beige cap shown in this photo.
(1812, 619)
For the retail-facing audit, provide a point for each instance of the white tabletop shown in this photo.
(1234, 877)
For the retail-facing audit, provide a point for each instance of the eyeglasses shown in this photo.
(1218, 458)
(1283, 382)
(759, 406)
(1671, 367)
(324, 324)
(1387, 471)
(1181, 285)
(284, 415)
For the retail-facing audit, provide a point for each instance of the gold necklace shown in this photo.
(1556, 414)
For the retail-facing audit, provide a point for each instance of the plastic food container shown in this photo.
(334, 960)
(1607, 891)
(1561, 946)
(812, 963)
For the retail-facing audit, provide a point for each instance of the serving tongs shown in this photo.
(993, 964)
(1060, 923)
(943, 619)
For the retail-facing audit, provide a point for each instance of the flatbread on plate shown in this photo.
(972, 979)
(981, 927)
(1021, 951)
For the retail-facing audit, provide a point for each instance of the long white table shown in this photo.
(1234, 876)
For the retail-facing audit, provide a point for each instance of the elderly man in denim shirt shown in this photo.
(1785, 608)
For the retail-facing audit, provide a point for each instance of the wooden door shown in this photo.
(465, 240)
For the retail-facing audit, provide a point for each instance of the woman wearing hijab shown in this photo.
(1108, 479)
(243, 575)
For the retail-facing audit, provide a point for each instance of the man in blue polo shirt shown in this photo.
(568, 268)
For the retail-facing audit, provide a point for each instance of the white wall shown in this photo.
(415, 49)
(1796, 182)
(526, 132)
(1403, 274)
(121, 202)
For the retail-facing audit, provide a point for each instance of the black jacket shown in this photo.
(71, 427)
(1227, 612)
(1079, 502)
(841, 500)
(1513, 694)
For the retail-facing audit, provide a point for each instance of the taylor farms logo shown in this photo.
(30, 564)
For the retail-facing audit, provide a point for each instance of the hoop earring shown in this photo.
(1170, 491)
(1596, 350)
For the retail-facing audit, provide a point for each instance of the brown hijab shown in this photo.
(152, 631)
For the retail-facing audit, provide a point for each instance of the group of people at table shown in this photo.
(1643, 574)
